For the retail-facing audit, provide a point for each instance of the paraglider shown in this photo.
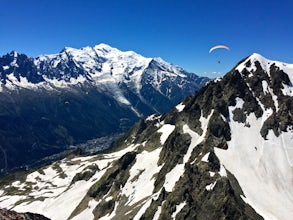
(218, 47)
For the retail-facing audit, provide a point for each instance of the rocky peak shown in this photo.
(224, 153)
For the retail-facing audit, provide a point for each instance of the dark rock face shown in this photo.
(9, 215)
(184, 175)
(21, 66)
(207, 196)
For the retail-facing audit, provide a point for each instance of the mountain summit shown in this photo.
(224, 153)
(55, 101)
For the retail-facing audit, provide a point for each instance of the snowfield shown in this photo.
(262, 167)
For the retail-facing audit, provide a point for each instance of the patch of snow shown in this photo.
(109, 198)
(222, 171)
(288, 69)
(88, 212)
(83, 159)
(212, 173)
(178, 209)
(9, 202)
(205, 157)
(50, 192)
(265, 63)
(120, 153)
(180, 107)
(173, 176)
(218, 79)
(268, 163)
(287, 90)
(67, 201)
(5, 67)
(211, 186)
(62, 83)
(12, 82)
(158, 213)
(142, 209)
(166, 130)
(239, 102)
(153, 117)
(16, 183)
(265, 86)
(141, 179)
(14, 62)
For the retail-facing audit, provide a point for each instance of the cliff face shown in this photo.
(8, 215)
(224, 153)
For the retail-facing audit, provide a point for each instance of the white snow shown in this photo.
(8, 202)
(50, 192)
(263, 168)
(14, 62)
(157, 214)
(166, 130)
(205, 157)
(12, 82)
(222, 171)
(180, 107)
(62, 83)
(178, 209)
(120, 153)
(218, 79)
(287, 90)
(265, 86)
(173, 176)
(265, 63)
(5, 67)
(211, 186)
(239, 102)
(153, 117)
(142, 209)
(88, 212)
(104, 67)
(66, 201)
(141, 184)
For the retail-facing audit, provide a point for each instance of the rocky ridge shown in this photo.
(224, 153)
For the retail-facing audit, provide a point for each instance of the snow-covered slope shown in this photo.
(54, 101)
(103, 66)
(225, 153)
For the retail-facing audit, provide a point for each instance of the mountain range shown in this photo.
(55, 102)
(224, 153)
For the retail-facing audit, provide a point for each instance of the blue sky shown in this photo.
(179, 31)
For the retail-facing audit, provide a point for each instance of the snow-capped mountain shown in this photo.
(225, 153)
(109, 69)
(53, 101)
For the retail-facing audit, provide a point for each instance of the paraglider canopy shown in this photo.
(218, 47)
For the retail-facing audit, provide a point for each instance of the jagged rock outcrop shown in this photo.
(9, 215)
(224, 153)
